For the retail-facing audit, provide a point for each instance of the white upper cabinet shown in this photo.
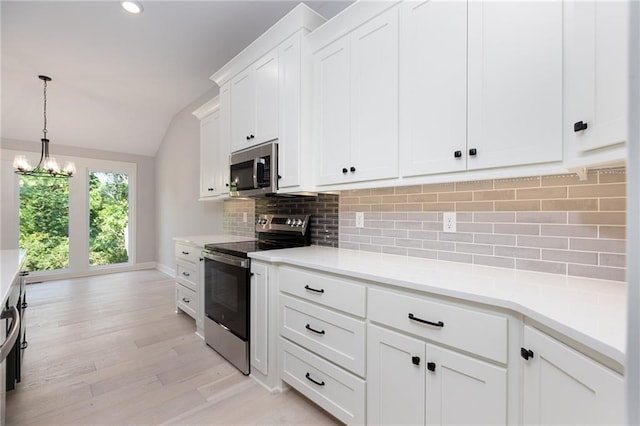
(224, 148)
(433, 87)
(356, 103)
(254, 103)
(514, 83)
(597, 83)
(214, 151)
(562, 386)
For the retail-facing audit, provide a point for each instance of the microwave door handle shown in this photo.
(255, 171)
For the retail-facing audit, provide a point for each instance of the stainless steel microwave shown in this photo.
(254, 171)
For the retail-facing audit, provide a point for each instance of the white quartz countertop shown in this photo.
(201, 240)
(10, 263)
(589, 311)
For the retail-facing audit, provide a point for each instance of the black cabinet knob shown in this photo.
(248, 138)
(526, 353)
(431, 366)
(473, 151)
(226, 184)
(352, 169)
(415, 360)
(251, 136)
(579, 126)
(344, 170)
(457, 154)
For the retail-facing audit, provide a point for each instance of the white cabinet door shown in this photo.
(433, 87)
(259, 318)
(562, 386)
(463, 390)
(331, 69)
(266, 98)
(395, 378)
(374, 99)
(224, 144)
(242, 110)
(597, 72)
(289, 140)
(515, 83)
(209, 139)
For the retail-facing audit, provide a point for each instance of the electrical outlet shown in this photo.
(359, 219)
(449, 222)
(244, 217)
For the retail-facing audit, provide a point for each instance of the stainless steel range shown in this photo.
(227, 275)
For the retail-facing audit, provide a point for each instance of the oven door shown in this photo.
(226, 292)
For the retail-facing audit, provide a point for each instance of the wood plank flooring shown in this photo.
(110, 350)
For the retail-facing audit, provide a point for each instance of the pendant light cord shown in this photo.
(44, 131)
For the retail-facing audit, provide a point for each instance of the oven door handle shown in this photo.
(6, 347)
(242, 263)
(257, 183)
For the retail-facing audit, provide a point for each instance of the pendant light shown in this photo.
(47, 166)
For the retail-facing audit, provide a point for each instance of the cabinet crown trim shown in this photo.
(208, 108)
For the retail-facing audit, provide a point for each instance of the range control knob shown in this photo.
(299, 222)
(288, 221)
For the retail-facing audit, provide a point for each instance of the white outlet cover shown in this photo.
(359, 219)
(449, 222)
(244, 217)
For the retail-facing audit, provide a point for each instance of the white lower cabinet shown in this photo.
(259, 318)
(563, 386)
(189, 296)
(413, 382)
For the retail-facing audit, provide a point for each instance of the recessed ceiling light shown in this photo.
(132, 6)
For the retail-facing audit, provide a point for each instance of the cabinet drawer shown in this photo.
(337, 337)
(186, 300)
(336, 293)
(187, 253)
(340, 393)
(187, 276)
(463, 328)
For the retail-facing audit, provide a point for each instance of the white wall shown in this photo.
(178, 211)
(145, 194)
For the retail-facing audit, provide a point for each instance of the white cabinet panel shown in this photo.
(242, 110)
(374, 99)
(224, 145)
(515, 83)
(463, 390)
(562, 386)
(395, 378)
(266, 98)
(290, 107)
(259, 318)
(209, 137)
(597, 72)
(433, 86)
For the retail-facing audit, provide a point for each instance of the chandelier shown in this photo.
(47, 166)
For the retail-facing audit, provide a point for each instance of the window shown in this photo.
(44, 222)
(108, 218)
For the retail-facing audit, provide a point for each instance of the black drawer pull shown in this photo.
(457, 154)
(526, 353)
(185, 300)
(186, 274)
(308, 376)
(313, 289)
(435, 324)
(308, 327)
(209, 189)
(185, 252)
(431, 366)
(579, 126)
(473, 151)
(25, 305)
(24, 345)
(415, 360)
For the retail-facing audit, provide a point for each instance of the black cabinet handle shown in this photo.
(25, 305)
(24, 273)
(185, 300)
(457, 154)
(306, 287)
(526, 353)
(344, 170)
(473, 152)
(209, 189)
(435, 324)
(186, 274)
(201, 259)
(431, 366)
(308, 327)
(24, 345)
(415, 360)
(308, 376)
(248, 138)
(185, 252)
(579, 126)
(352, 169)
(251, 136)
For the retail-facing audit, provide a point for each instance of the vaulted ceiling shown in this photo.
(118, 79)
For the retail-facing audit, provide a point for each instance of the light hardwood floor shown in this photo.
(111, 350)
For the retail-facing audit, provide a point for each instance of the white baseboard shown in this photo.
(34, 277)
(166, 269)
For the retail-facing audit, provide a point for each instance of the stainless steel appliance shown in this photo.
(254, 171)
(227, 274)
